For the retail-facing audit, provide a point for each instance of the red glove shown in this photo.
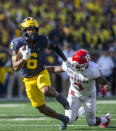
(103, 91)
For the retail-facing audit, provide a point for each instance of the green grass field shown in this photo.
(21, 116)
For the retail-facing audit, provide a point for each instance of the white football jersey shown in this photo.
(92, 72)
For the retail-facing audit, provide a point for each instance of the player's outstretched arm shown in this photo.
(54, 69)
(72, 72)
(102, 81)
(53, 46)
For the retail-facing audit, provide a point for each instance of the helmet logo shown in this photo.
(87, 57)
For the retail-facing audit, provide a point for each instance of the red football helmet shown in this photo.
(81, 59)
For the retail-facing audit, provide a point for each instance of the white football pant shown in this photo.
(89, 103)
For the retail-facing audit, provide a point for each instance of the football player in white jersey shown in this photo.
(83, 92)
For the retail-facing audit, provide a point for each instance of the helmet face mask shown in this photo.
(30, 23)
(81, 59)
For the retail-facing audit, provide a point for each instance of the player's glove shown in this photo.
(80, 78)
(68, 65)
(26, 53)
(103, 90)
(72, 72)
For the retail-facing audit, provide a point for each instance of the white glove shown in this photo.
(26, 53)
(79, 78)
(72, 72)
(68, 66)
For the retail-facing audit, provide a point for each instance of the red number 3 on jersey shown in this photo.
(78, 86)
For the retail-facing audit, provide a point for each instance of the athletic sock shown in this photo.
(63, 118)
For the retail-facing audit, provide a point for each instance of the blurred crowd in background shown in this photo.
(73, 24)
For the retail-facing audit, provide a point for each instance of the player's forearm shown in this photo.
(17, 65)
(103, 82)
(58, 51)
(54, 69)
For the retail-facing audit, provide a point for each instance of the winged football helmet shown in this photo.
(30, 23)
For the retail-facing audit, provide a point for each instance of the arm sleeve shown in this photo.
(58, 50)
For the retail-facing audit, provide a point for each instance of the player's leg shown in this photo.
(90, 111)
(37, 99)
(75, 104)
(43, 82)
(81, 111)
(52, 113)
(72, 113)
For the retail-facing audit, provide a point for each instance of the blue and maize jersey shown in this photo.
(33, 66)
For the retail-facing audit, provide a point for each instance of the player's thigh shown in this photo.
(33, 92)
(43, 79)
(75, 104)
(90, 110)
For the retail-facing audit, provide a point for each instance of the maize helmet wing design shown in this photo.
(30, 23)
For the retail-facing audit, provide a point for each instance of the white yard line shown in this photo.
(11, 125)
(106, 102)
(98, 102)
(31, 119)
(11, 105)
(37, 119)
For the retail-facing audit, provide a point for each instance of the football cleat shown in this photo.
(63, 101)
(108, 117)
(64, 124)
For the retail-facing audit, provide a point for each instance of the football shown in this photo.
(20, 55)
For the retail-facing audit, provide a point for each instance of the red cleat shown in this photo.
(108, 117)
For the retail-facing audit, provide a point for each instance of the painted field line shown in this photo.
(31, 119)
(10, 125)
(106, 102)
(98, 102)
(12, 105)
(37, 119)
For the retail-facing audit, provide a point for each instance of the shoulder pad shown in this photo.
(17, 43)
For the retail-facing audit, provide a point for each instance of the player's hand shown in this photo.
(103, 90)
(67, 67)
(72, 72)
(68, 64)
(26, 53)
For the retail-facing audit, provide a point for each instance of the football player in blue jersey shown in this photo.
(36, 77)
